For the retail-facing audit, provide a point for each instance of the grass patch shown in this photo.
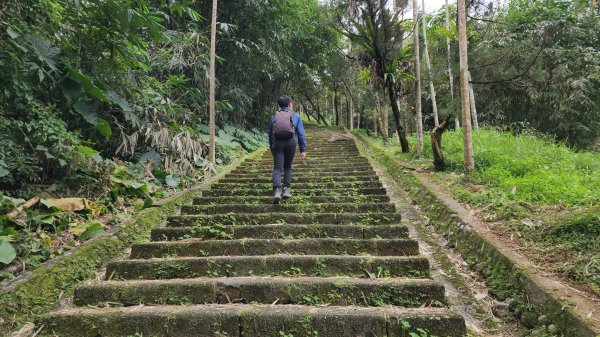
(542, 194)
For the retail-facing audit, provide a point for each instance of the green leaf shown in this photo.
(4, 172)
(148, 203)
(12, 33)
(87, 111)
(88, 151)
(7, 251)
(104, 127)
(93, 229)
(87, 84)
(172, 181)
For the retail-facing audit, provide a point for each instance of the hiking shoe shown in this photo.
(277, 197)
(286, 193)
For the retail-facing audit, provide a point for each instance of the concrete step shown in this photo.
(316, 178)
(312, 160)
(281, 232)
(292, 207)
(270, 265)
(332, 192)
(265, 290)
(310, 166)
(254, 247)
(299, 185)
(327, 170)
(284, 218)
(305, 175)
(236, 320)
(257, 200)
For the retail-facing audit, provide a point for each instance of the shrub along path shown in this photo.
(332, 261)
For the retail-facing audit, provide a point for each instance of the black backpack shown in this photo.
(283, 126)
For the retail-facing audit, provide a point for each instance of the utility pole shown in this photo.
(213, 51)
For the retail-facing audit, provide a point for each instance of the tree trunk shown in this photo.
(418, 112)
(472, 103)
(436, 145)
(380, 120)
(429, 73)
(213, 50)
(450, 76)
(396, 112)
(375, 124)
(359, 117)
(336, 106)
(351, 113)
(386, 128)
(316, 109)
(464, 87)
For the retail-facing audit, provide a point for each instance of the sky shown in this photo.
(434, 5)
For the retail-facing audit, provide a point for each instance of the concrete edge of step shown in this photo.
(17, 297)
(571, 313)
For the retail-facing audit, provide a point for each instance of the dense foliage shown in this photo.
(107, 100)
(534, 64)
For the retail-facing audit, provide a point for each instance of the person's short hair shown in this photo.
(284, 101)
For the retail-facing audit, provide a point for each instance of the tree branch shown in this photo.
(516, 76)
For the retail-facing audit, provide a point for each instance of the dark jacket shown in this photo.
(298, 127)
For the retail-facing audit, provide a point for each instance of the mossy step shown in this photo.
(310, 162)
(319, 154)
(298, 185)
(257, 200)
(293, 207)
(298, 192)
(310, 166)
(266, 178)
(254, 247)
(330, 171)
(281, 232)
(284, 218)
(237, 320)
(307, 175)
(319, 151)
(270, 265)
(265, 290)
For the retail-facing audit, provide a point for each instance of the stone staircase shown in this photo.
(333, 261)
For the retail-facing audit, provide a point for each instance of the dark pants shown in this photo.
(283, 154)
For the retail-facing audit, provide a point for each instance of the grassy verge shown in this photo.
(539, 195)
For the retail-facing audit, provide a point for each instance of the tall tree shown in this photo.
(429, 72)
(418, 112)
(377, 38)
(464, 87)
(213, 54)
(473, 106)
(450, 76)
